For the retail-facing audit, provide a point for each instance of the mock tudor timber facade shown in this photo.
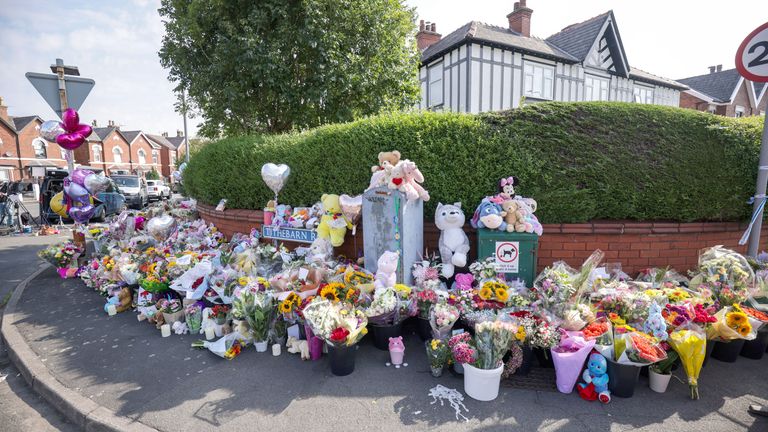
(480, 67)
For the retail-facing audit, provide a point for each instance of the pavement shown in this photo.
(121, 371)
(21, 408)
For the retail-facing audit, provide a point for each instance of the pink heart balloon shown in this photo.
(82, 214)
(79, 175)
(84, 130)
(70, 119)
(70, 141)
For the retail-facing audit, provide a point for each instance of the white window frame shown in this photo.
(642, 94)
(155, 157)
(96, 152)
(596, 88)
(538, 80)
(117, 154)
(38, 145)
(739, 111)
(435, 85)
(142, 157)
(63, 153)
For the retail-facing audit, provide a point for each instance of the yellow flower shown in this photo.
(285, 307)
(735, 319)
(172, 264)
(486, 292)
(502, 295)
(329, 293)
(364, 331)
(435, 344)
(745, 330)
(403, 290)
(243, 280)
(263, 282)
(351, 294)
(344, 312)
(520, 335)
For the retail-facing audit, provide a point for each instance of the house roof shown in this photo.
(161, 140)
(759, 87)
(177, 141)
(641, 75)
(131, 135)
(22, 122)
(103, 133)
(494, 35)
(577, 39)
(718, 85)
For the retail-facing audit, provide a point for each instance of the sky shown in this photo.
(115, 42)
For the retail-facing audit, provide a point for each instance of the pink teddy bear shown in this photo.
(406, 177)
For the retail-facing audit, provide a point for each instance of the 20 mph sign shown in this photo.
(752, 56)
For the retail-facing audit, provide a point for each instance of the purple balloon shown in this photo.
(70, 119)
(82, 214)
(84, 130)
(75, 191)
(78, 176)
(70, 141)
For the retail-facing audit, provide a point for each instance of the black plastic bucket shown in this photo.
(755, 349)
(544, 357)
(728, 351)
(525, 366)
(424, 329)
(381, 335)
(342, 359)
(622, 379)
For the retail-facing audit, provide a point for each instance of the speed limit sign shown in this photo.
(752, 56)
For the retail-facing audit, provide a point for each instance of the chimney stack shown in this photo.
(179, 133)
(712, 69)
(520, 19)
(3, 110)
(427, 35)
(165, 134)
(719, 68)
(94, 123)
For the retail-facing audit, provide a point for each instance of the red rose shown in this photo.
(339, 334)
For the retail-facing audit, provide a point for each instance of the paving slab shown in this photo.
(125, 367)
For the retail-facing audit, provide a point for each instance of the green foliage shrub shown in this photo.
(580, 161)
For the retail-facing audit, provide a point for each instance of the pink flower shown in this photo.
(464, 281)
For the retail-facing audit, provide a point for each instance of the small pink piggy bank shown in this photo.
(397, 351)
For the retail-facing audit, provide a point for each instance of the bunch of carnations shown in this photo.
(463, 349)
(442, 317)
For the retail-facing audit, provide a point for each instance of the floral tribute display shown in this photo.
(243, 294)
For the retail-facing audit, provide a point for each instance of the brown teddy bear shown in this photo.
(383, 171)
(513, 216)
(125, 296)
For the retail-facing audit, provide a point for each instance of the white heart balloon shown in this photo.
(275, 176)
(96, 183)
(351, 207)
(161, 227)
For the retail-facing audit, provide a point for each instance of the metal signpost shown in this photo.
(752, 64)
(63, 90)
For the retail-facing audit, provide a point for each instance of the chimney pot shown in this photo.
(179, 133)
(94, 123)
(421, 25)
(165, 134)
(712, 69)
(719, 68)
(3, 110)
(427, 35)
(520, 19)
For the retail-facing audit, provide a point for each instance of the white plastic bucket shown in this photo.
(658, 382)
(482, 384)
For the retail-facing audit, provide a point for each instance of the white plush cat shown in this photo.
(454, 244)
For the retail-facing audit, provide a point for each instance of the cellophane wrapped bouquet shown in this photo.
(487, 348)
(61, 255)
(442, 317)
(724, 275)
(391, 306)
(337, 323)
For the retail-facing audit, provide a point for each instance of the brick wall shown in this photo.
(635, 245)
(741, 99)
(692, 102)
(140, 143)
(27, 153)
(115, 139)
(8, 146)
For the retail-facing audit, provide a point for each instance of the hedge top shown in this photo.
(580, 161)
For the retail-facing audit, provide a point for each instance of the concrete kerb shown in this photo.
(78, 409)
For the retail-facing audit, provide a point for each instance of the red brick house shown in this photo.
(725, 93)
(145, 154)
(168, 153)
(9, 164)
(115, 149)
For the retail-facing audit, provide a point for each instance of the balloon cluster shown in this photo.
(177, 175)
(76, 200)
(69, 133)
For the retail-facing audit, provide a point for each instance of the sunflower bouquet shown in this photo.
(289, 307)
(493, 294)
(732, 323)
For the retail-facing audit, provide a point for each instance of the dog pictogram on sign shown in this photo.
(507, 257)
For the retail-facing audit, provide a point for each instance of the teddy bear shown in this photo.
(489, 214)
(383, 171)
(296, 346)
(513, 218)
(282, 215)
(527, 221)
(299, 217)
(595, 376)
(333, 223)
(386, 269)
(396, 352)
(406, 177)
(125, 299)
(454, 243)
(315, 212)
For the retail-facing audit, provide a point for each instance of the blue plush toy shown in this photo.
(595, 376)
(489, 214)
(655, 323)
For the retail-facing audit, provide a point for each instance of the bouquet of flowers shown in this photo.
(690, 343)
(493, 339)
(462, 348)
(387, 308)
(493, 294)
(228, 347)
(659, 277)
(637, 348)
(731, 323)
(725, 275)
(484, 269)
(256, 307)
(219, 313)
(538, 332)
(289, 307)
(426, 274)
(61, 255)
(464, 300)
(438, 353)
(442, 316)
(172, 310)
(194, 317)
(424, 298)
(568, 357)
(338, 324)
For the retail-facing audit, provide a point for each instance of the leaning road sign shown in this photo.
(752, 64)
(48, 86)
(752, 55)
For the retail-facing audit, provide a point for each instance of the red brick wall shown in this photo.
(113, 140)
(140, 143)
(741, 99)
(8, 145)
(635, 245)
(53, 151)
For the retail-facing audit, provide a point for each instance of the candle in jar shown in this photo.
(276, 350)
(165, 330)
(111, 310)
(209, 333)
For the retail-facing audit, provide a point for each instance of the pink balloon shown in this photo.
(70, 120)
(70, 141)
(82, 214)
(84, 130)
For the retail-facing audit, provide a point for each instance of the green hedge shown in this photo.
(581, 161)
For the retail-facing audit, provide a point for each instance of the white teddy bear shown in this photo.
(386, 271)
(454, 244)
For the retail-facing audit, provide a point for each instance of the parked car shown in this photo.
(134, 188)
(107, 203)
(157, 190)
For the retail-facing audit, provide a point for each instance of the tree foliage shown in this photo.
(280, 65)
(153, 175)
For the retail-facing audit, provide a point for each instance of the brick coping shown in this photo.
(595, 227)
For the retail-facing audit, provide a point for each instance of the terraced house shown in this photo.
(725, 93)
(481, 67)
